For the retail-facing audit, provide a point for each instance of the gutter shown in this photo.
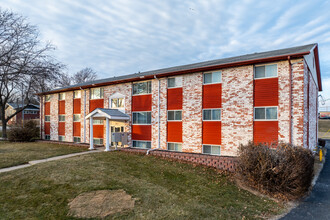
(84, 114)
(158, 117)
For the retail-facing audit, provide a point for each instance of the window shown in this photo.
(174, 82)
(141, 117)
(212, 114)
(174, 146)
(76, 139)
(98, 141)
(47, 137)
(142, 88)
(76, 117)
(61, 118)
(117, 103)
(61, 138)
(47, 118)
(142, 144)
(265, 113)
(77, 94)
(214, 77)
(97, 122)
(47, 98)
(61, 96)
(97, 93)
(174, 115)
(265, 71)
(211, 149)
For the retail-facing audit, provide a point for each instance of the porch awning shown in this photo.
(112, 114)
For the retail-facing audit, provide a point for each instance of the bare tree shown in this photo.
(84, 75)
(25, 65)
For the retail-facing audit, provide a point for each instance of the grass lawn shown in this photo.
(12, 154)
(164, 189)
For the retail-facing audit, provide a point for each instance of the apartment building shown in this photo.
(209, 107)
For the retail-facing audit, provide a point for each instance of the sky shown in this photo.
(120, 37)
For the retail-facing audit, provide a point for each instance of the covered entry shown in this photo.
(107, 115)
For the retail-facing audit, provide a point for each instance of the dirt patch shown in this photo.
(100, 203)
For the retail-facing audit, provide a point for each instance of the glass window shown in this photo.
(77, 94)
(117, 103)
(47, 117)
(76, 117)
(97, 141)
(175, 115)
(47, 137)
(174, 82)
(265, 113)
(141, 117)
(61, 96)
(97, 93)
(61, 138)
(97, 122)
(47, 98)
(214, 77)
(211, 149)
(271, 113)
(142, 88)
(174, 146)
(259, 113)
(76, 139)
(212, 114)
(142, 144)
(265, 71)
(61, 118)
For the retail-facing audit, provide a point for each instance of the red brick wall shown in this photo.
(212, 132)
(95, 103)
(61, 107)
(265, 132)
(174, 131)
(141, 103)
(61, 128)
(174, 99)
(141, 132)
(47, 108)
(266, 92)
(47, 128)
(76, 129)
(98, 131)
(76, 106)
(212, 96)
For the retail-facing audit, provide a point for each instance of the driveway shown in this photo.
(317, 205)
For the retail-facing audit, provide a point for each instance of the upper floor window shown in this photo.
(142, 118)
(174, 82)
(77, 94)
(97, 93)
(61, 96)
(175, 115)
(265, 71)
(212, 114)
(76, 117)
(214, 77)
(142, 88)
(47, 118)
(117, 103)
(47, 98)
(265, 113)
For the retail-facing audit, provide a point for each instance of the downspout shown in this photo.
(158, 118)
(290, 104)
(84, 114)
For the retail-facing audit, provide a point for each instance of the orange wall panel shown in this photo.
(141, 102)
(61, 128)
(174, 131)
(265, 132)
(212, 132)
(266, 92)
(76, 129)
(95, 103)
(212, 96)
(61, 107)
(47, 128)
(76, 106)
(141, 132)
(174, 98)
(47, 108)
(98, 131)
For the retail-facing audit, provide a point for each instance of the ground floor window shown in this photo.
(211, 149)
(76, 139)
(61, 138)
(142, 144)
(174, 146)
(98, 141)
(47, 137)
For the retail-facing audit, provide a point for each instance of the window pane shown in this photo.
(142, 88)
(178, 147)
(178, 81)
(120, 103)
(148, 117)
(134, 118)
(114, 103)
(259, 72)
(76, 117)
(178, 115)
(259, 113)
(207, 78)
(216, 114)
(216, 77)
(271, 70)
(171, 82)
(170, 146)
(206, 114)
(170, 115)
(206, 149)
(149, 87)
(271, 113)
(216, 150)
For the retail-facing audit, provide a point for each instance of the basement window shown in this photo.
(98, 141)
(211, 149)
(142, 118)
(265, 113)
(214, 77)
(142, 144)
(61, 138)
(212, 114)
(76, 139)
(265, 71)
(47, 137)
(141, 88)
(174, 147)
(175, 115)
(174, 82)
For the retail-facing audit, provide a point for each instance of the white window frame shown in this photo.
(176, 78)
(174, 114)
(95, 140)
(98, 122)
(212, 145)
(111, 101)
(254, 113)
(101, 93)
(59, 118)
(211, 72)
(269, 77)
(142, 93)
(61, 96)
(61, 137)
(211, 114)
(74, 94)
(141, 141)
(174, 146)
(140, 112)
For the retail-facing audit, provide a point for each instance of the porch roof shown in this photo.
(113, 114)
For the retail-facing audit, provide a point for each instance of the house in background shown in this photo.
(210, 107)
(31, 112)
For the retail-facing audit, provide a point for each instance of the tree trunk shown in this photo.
(4, 123)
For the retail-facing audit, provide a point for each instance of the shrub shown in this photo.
(30, 132)
(284, 172)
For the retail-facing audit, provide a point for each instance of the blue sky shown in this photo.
(126, 36)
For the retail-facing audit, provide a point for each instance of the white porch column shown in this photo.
(91, 142)
(107, 135)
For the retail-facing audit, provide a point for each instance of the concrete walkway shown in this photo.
(317, 205)
(33, 162)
